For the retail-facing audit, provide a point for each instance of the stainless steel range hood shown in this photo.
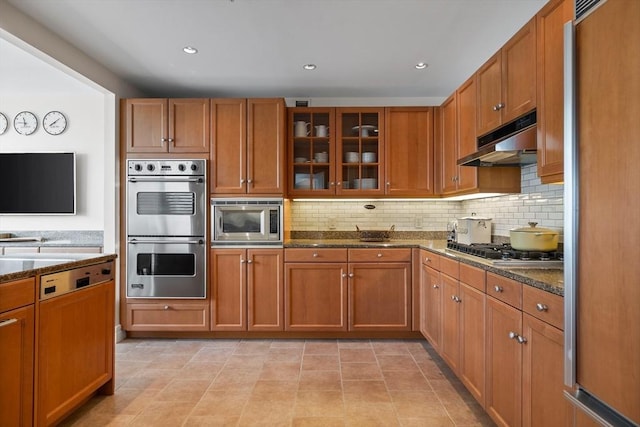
(513, 144)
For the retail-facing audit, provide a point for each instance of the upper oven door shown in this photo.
(166, 206)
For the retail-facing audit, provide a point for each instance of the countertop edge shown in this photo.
(438, 247)
(73, 263)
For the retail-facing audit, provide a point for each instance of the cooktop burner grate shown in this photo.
(504, 252)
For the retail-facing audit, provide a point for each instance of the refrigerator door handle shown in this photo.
(570, 206)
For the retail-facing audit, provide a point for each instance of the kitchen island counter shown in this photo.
(15, 267)
(548, 279)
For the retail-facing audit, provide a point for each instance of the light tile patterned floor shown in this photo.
(281, 383)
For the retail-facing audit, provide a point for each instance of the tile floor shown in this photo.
(281, 383)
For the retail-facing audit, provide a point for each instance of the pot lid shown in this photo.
(533, 229)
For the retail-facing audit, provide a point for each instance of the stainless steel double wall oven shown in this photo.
(166, 227)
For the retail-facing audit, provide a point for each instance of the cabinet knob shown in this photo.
(497, 288)
(498, 107)
(339, 183)
(249, 181)
(170, 139)
(315, 254)
(166, 307)
(513, 335)
(241, 180)
(521, 339)
(350, 274)
(436, 286)
(331, 184)
(163, 140)
(427, 259)
(379, 255)
(249, 261)
(344, 275)
(242, 261)
(541, 307)
(388, 184)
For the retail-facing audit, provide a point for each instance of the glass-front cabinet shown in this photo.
(336, 151)
(312, 151)
(360, 149)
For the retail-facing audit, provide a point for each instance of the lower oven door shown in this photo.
(166, 267)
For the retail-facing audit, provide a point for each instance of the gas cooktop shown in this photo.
(505, 256)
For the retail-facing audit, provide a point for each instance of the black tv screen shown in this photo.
(37, 183)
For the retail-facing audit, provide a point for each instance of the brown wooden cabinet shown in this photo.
(315, 288)
(379, 289)
(409, 151)
(431, 299)
(507, 81)
(159, 125)
(550, 86)
(456, 137)
(75, 350)
(247, 146)
(17, 331)
(504, 363)
(247, 290)
(167, 315)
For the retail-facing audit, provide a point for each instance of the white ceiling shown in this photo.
(256, 48)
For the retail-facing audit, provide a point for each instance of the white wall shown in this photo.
(537, 202)
(84, 136)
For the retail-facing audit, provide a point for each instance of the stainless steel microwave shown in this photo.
(246, 222)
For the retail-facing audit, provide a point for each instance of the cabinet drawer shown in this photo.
(543, 305)
(472, 276)
(430, 259)
(17, 293)
(380, 255)
(315, 255)
(450, 267)
(168, 317)
(504, 289)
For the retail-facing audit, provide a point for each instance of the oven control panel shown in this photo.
(155, 167)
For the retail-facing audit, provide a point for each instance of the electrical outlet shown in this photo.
(417, 222)
(331, 223)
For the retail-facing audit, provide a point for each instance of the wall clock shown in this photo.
(25, 123)
(54, 122)
(4, 123)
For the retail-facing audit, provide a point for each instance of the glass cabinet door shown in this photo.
(312, 151)
(360, 148)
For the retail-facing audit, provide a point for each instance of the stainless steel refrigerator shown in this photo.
(602, 211)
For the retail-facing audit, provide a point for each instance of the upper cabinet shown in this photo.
(360, 151)
(247, 146)
(455, 138)
(159, 125)
(336, 151)
(409, 153)
(507, 81)
(550, 111)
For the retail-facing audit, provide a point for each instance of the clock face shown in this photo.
(4, 124)
(25, 123)
(54, 122)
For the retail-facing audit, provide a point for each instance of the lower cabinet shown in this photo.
(348, 290)
(17, 330)
(76, 350)
(247, 290)
(168, 315)
(502, 338)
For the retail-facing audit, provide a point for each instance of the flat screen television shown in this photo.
(37, 183)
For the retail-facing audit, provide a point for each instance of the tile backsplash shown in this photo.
(538, 202)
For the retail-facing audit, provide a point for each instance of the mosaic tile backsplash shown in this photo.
(538, 202)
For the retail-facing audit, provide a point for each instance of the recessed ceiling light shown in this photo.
(190, 50)
(309, 66)
(421, 65)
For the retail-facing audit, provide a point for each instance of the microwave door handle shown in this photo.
(172, 179)
(165, 242)
(220, 223)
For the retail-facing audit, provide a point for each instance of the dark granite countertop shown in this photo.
(547, 279)
(16, 267)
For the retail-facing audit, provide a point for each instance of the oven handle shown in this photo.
(172, 179)
(165, 242)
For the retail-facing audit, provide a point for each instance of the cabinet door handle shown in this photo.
(388, 183)
(241, 180)
(498, 107)
(344, 275)
(427, 259)
(166, 307)
(249, 261)
(521, 339)
(170, 140)
(163, 140)
(331, 184)
(249, 181)
(350, 274)
(379, 255)
(497, 288)
(242, 261)
(436, 286)
(8, 322)
(315, 254)
(541, 307)
(513, 335)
